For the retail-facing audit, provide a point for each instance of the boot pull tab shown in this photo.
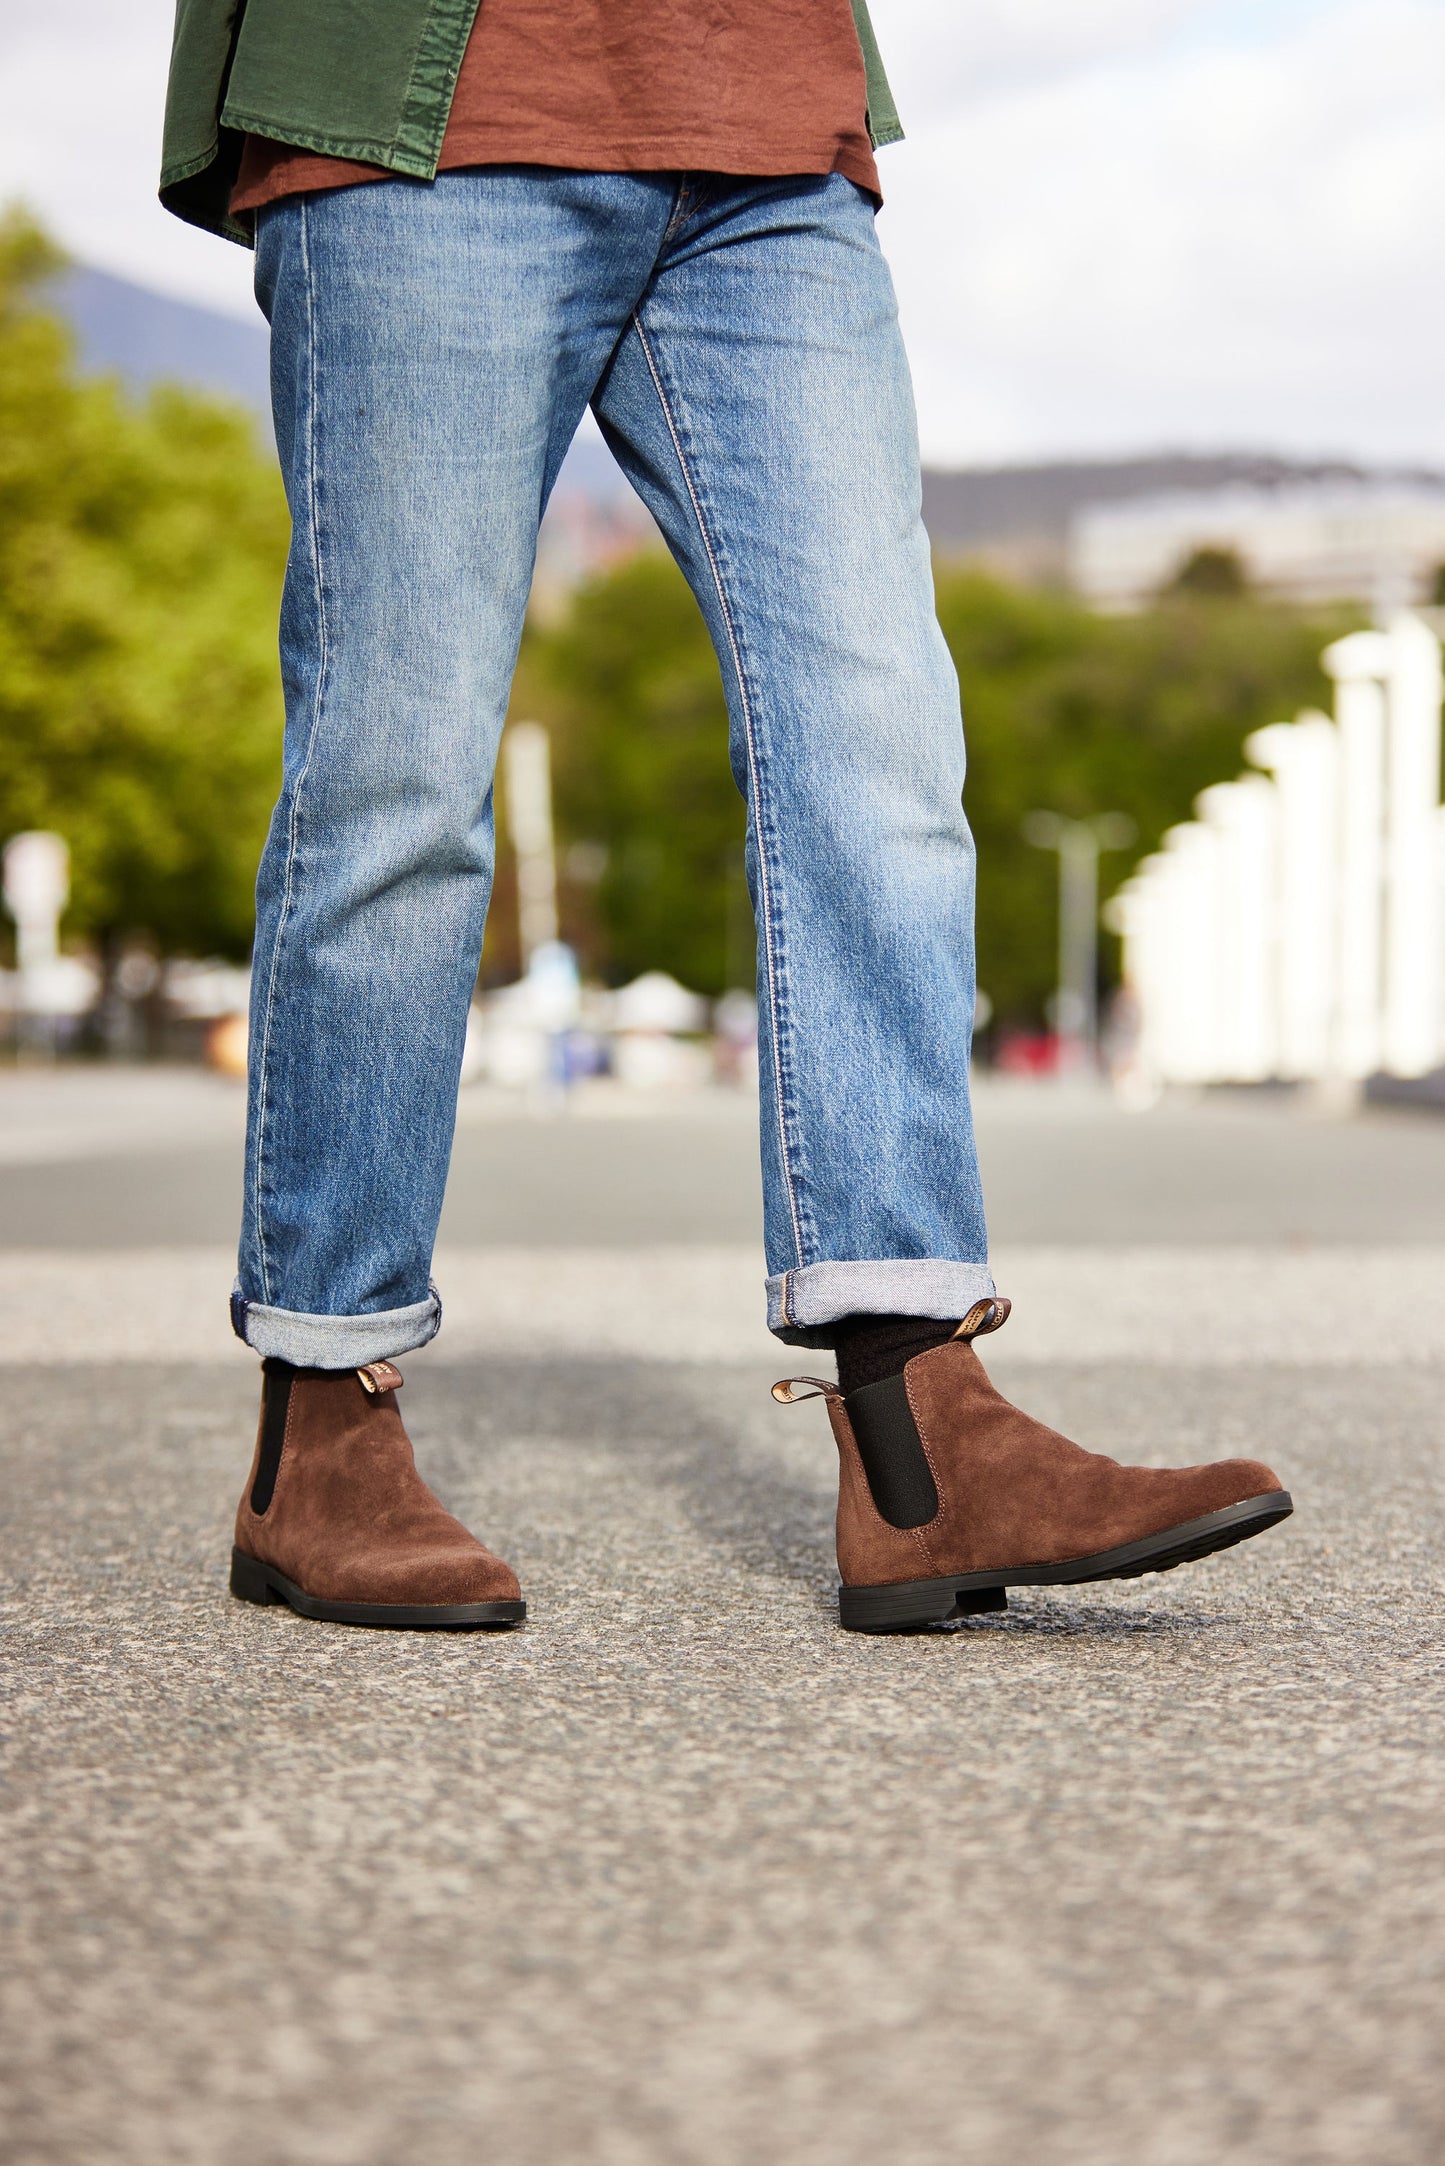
(786, 1393)
(984, 1317)
(379, 1376)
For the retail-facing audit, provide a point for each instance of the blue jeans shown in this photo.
(433, 349)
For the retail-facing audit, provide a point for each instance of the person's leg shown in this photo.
(762, 406)
(761, 403)
(433, 350)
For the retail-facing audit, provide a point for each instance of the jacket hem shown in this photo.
(172, 175)
(361, 150)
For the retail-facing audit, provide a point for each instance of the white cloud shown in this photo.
(1115, 224)
(1215, 242)
(82, 91)
(941, 51)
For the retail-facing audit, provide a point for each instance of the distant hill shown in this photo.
(148, 338)
(1015, 518)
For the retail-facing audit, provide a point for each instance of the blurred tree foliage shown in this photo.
(628, 682)
(1077, 713)
(1211, 571)
(1066, 710)
(141, 553)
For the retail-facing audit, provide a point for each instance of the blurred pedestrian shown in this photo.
(470, 224)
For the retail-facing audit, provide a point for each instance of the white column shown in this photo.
(1304, 757)
(1188, 976)
(1243, 815)
(1412, 1007)
(1358, 665)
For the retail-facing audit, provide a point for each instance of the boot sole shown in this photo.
(912, 1603)
(252, 1581)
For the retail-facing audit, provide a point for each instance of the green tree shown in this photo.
(141, 552)
(631, 688)
(1082, 714)
(1213, 572)
(1065, 710)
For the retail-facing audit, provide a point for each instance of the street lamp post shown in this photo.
(1078, 843)
(526, 758)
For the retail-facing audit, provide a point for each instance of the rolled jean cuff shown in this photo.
(802, 1305)
(334, 1342)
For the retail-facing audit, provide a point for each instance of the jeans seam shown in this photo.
(293, 824)
(774, 1006)
(681, 209)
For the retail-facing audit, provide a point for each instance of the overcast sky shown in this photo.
(1116, 224)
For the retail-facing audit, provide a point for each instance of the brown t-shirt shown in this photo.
(634, 86)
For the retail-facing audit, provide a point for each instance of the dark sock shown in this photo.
(870, 1348)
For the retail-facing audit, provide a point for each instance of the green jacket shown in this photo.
(367, 79)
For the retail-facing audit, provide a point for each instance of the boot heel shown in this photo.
(912, 1604)
(249, 1582)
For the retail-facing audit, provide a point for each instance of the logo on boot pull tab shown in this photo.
(379, 1376)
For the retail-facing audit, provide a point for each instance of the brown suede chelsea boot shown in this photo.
(949, 1496)
(336, 1520)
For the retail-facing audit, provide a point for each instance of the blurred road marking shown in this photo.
(1201, 1307)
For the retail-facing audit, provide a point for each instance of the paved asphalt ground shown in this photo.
(1150, 1877)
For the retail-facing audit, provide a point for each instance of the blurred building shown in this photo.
(1018, 521)
(1370, 540)
(592, 525)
